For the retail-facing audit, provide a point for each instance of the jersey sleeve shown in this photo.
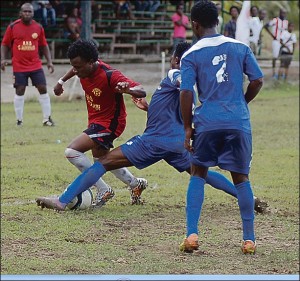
(188, 73)
(174, 76)
(7, 38)
(251, 67)
(42, 39)
(117, 77)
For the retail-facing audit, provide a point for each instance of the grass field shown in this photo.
(124, 239)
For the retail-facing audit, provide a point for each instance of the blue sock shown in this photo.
(83, 182)
(219, 181)
(194, 201)
(246, 204)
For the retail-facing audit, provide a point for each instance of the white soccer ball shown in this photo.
(82, 201)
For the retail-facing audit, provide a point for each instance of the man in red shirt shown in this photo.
(24, 37)
(103, 87)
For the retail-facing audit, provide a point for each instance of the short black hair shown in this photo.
(234, 7)
(205, 13)
(181, 48)
(86, 49)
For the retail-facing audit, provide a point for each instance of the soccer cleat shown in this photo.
(260, 206)
(189, 244)
(19, 123)
(248, 247)
(50, 203)
(49, 122)
(102, 198)
(136, 192)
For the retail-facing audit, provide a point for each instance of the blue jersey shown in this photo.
(164, 127)
(216, 65)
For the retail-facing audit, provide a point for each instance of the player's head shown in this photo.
(204, 15)
(83, 55)
(181, 48)
(282, 13)
(26, 13)
(291, 26)
(254, 11)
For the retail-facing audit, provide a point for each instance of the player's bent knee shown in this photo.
(71, 153)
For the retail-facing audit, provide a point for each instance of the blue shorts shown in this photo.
(37, 78)
(231, 150)
(143, 154)
(101, 135)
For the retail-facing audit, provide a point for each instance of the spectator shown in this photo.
(256, 26)
(288, 42)
(73, 24)
(140, 6)
(230, 27)
(220, 25)
(59, 7)
(181, 24)
(45, 11)
(278, 24)
(123, 8)
(24, 37)
(262, 13)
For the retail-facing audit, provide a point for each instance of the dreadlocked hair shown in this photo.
(181, 48)
(85, 49)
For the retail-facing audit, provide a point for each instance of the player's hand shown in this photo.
(58, 89)
(189, 135)
(50, 67)
(3, 64)
(141, 103)
(122, 87)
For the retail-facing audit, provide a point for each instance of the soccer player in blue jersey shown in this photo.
(163, 138)
(222, 130)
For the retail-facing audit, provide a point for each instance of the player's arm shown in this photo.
(135, 91)
(253, 89)
(186, 106)
(46, 53)
(267, 28)
(58, 88)
(140, 103)
(4, 55)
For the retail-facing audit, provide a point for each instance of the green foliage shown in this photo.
(124, 239)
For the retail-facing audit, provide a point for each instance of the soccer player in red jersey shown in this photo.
(103, 87)
(24, 37)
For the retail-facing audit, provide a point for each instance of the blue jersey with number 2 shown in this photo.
(216, 65)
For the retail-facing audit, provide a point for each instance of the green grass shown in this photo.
(124, 239)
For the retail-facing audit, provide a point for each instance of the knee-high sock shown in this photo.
(246, 204)
(194, 201)
(44, 100)
(219, 181)
(124, 175)
(83, 182)
(82, 162)
(19, 106)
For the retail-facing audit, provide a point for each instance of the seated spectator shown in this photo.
(73, 24)
(44, 10)
(141, 6)
(123, 8)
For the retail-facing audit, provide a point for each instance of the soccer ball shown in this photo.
(82, 201)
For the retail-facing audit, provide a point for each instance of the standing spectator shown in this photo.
(181, 24)
(24, 36)
(262, 13)
(288, 42)
(45, 11)
(256, 26)
(222, 130)
(230, 27)
(278, 24)
(220, 18)
(59, 7)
